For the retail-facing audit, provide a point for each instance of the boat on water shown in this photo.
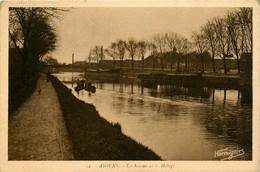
(78, 88)
(91, 89)
(170, 77)
(83, 85)
(162, 78)
(110, 73)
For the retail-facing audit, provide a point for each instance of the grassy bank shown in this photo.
(93, 137)
(18, 92)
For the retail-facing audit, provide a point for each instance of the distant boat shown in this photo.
(111, 73)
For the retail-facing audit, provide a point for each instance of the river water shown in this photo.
(176, 122)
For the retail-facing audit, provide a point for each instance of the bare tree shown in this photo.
(171, 41)
(111, 51)
(131, 47)
(223, 40)
(181, 44)
(159, 41)
(153, 50)
(90, 55)
(97, 54)
(187, 46)
(245, 21)
(235, 34)
(200, 43)
(142, 47)
(210, 35)
(120, 48)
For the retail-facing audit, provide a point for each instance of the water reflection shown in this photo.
(177, 122)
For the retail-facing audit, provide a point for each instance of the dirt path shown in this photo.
(37, 129)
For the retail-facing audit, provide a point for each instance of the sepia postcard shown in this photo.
(129, 86)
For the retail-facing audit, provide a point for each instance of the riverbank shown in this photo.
(210, 80)
(36, 130)
(93, 137)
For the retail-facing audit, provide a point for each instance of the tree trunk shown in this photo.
(120, 63)
(202, 63)
(179, 61)
(132, 62)
(186, 63)
(162, 61)
(97, 65)
(171, 60)
(225, 65)
(114, 63)
(142, 61)
(238, 66)
(153, 61)
(213, 65)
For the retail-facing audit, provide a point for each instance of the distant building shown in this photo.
(109, 64)
(79, 63)
(189, 62)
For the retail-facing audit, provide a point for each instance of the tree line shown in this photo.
(32, 33)
(224, 37)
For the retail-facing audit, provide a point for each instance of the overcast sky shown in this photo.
(83, 28)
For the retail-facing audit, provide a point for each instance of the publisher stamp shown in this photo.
(228, 154)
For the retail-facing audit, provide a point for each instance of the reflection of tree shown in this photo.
(121, 89)
(225, 96)
(165, 109)
(132, 88)
(246, 95)
(171, 90)
(238, 96)
(213, 95)
(232, 123)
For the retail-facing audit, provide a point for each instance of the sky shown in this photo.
(82, 28)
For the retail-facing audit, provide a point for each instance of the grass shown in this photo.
(93, 137)
(18, 93)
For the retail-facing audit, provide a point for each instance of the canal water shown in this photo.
(176, 122)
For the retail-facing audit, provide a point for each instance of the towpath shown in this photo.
(37, 129)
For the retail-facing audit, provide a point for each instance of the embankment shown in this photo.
(93, 137)
(19, 92)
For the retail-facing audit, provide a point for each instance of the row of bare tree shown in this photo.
(226, 37)
(157, 46)
(117, 50)
(220, 37)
